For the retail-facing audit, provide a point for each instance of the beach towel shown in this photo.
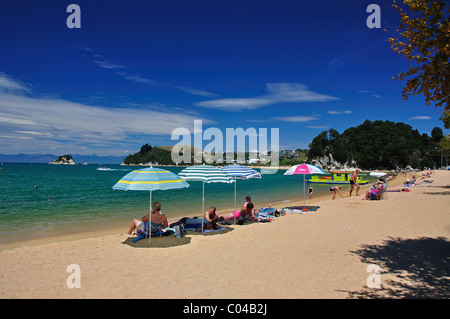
(300, 209)
(205, 230)
(167, 232)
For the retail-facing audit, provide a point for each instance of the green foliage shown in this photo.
(148, 154)
(423, 37)
(377, 145)
(64, 158)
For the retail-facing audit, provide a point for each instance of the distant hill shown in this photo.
(47, 158)
(157, 155)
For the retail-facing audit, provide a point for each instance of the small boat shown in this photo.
(103, 169)
(337, 177)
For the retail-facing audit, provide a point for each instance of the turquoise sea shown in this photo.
(39, 200)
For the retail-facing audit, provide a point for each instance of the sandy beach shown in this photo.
(324, 254)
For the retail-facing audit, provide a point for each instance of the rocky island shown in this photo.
(63, 160)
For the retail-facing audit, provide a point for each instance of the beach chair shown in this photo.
(381, 195)
(265, 214)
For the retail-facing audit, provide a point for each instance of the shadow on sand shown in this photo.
(419, 267)
(158, 242)
(171, 241)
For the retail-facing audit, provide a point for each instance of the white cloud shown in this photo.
(7, 84)
(108, 65)
(57, 123)
(372, 94)
(278, 93)
(235, 104)
(102, 62)
(296, 119)
(420, 118)
(139, 79)
(339, 112)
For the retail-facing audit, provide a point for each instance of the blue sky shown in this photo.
(136, 70)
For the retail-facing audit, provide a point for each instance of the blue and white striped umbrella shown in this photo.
(240, 172)
(150, 179)
(206, 174)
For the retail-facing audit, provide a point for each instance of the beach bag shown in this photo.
(240, 220)
(180, 230)
(142, 229)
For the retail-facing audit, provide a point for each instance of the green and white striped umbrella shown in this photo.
(150, 179)
(205, 174)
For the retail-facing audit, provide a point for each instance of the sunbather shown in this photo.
(248, 201)
(212, 216)
(374, 190)
(158, 221)
(397, 189)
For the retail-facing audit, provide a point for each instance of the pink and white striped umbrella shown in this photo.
(304, 169)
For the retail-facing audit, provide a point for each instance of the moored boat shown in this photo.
(337, 177)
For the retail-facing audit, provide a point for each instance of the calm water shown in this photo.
(40, 199)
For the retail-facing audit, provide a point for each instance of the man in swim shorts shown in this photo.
(353, 182)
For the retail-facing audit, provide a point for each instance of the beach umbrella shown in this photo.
(206, 174)
(150, 179)
(240, 172)
(304, 169)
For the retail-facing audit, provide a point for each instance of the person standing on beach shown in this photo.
(353, 182)
(310, 191)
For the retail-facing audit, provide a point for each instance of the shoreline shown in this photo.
(113, 228)
(324, 254)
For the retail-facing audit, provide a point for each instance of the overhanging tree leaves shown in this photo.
(425, 39)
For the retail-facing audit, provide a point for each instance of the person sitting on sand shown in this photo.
(247, 210)
(334, 189)
(158, 220)
(374, 190)
(212, 216)
(248, 201)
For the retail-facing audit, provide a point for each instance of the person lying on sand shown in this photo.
(397, 189)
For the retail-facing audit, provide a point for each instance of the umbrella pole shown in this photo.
(234, 215)
(150, 222)
(304, 194)
(203, 205)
